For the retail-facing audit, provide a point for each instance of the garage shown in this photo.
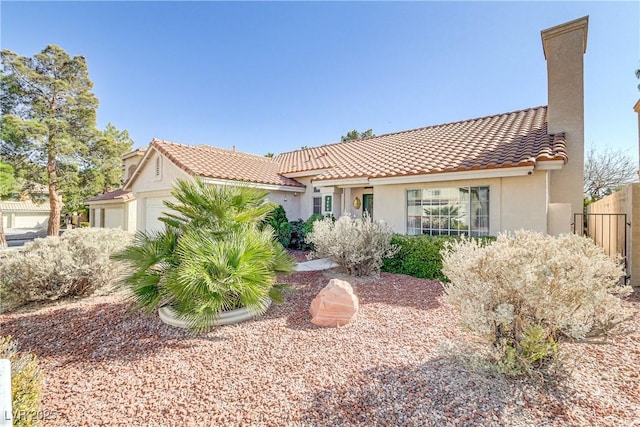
(155, 208)
(24, 215)
(113, 217)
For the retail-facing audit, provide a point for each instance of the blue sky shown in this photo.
(274, 76)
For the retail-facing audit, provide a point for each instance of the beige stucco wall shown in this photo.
(304, 203)
(514, 203)
(148, 185)
(289, 201)
(130, 216)
(523, 203)
(625, 201)
(560, 219)
(129, 164)
(147, 181)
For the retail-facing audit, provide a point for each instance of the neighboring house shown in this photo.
(522, 169)
(114, 209)
(24, 215)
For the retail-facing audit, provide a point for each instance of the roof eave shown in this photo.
(262, 186)
(503, 172)
(299, 174)
(139, 167)
(342, 182)
(552, 164)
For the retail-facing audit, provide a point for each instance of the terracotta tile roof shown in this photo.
(112, 195)
(506, 140)
(11, 206)
(212, 162)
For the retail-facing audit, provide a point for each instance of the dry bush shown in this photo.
(358, 245)
(26, 384)
(75, 264)
(527, 291)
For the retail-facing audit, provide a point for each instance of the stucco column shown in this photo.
(564, 47)
(347, 202)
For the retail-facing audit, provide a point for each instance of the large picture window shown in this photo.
(450, 211)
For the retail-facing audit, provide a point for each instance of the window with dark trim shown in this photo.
(317, 205)
(450, 211)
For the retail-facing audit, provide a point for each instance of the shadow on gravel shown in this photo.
(401, 291)
(104, 331)
(445, 391)
(397, 290)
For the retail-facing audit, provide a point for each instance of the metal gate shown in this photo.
(607, 230)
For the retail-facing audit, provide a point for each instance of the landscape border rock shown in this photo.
(335, 305)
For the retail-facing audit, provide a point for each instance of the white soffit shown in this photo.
(454, 176)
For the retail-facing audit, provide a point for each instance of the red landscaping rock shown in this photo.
(335, 305)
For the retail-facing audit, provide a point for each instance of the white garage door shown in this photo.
(30, 220)
(113, 218)
(154, 208)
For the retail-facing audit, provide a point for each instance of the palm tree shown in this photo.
(210, 258)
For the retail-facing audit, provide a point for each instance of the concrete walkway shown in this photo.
(316, 264)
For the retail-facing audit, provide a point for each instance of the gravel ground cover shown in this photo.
(106, 366)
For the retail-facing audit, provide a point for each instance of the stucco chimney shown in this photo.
(636, 108)
(564, 47)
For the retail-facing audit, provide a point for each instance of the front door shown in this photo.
(367, 204)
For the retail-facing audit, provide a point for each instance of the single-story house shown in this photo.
(521, 169)
(24, 214)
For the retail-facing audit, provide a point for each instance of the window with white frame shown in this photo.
(449, 211)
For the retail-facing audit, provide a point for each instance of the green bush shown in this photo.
(26, 383)
(420, 256)
(278, 220)
(526, 292)
(75, 264)
(297, 235)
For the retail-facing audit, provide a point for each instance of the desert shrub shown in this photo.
(278, 220)
(420, 256)
(357, 244)
(300, 229)
(308, 226)
(26, 383)
(527, 291)
(75, 264)
(309, 223)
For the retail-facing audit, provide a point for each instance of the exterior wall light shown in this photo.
(357, 203)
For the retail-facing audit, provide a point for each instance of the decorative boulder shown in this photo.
(335, 305)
